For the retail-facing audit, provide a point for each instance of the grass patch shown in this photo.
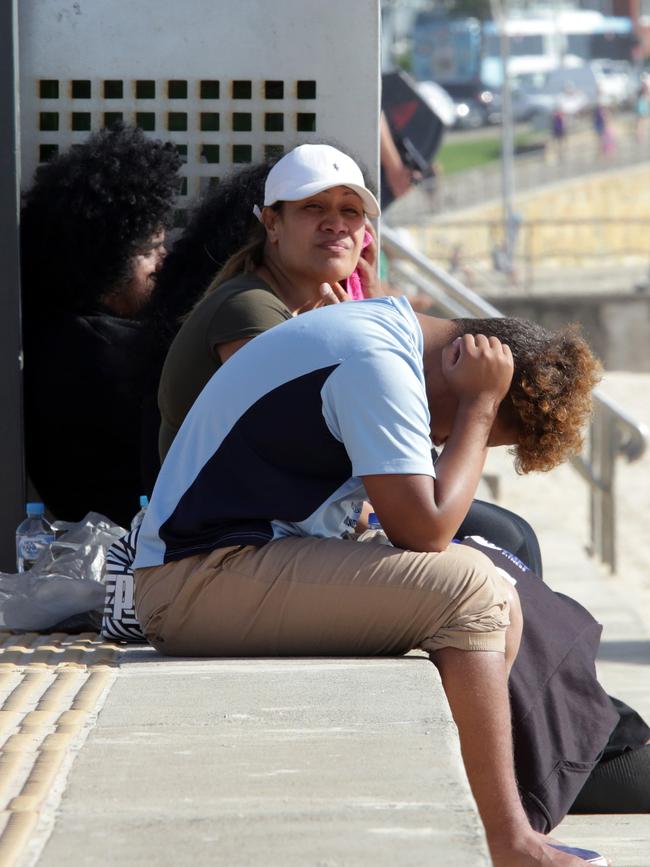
(456, 155)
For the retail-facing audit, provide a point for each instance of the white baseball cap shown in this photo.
(312, 168)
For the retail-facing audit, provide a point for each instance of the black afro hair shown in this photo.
(89, 211)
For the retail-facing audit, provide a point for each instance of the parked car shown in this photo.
(617, 82)
(536, 95)
(476, 105)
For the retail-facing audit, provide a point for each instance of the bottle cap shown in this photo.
(34, 509)
(373, 520)
(144, 501)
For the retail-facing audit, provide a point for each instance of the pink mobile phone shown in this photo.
(353, 286)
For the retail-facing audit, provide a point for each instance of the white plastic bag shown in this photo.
(66, 580)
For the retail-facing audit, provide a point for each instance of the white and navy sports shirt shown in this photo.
(278, 438)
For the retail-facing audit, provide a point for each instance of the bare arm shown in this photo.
(398, 175)
(422, 514)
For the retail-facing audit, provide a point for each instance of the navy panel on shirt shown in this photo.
(278, 460)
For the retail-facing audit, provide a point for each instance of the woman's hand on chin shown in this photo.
(328, 293)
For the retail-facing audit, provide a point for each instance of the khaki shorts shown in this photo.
(313, 597)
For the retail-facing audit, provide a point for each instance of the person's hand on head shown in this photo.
(478, 368)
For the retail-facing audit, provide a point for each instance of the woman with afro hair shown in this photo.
(92, 240)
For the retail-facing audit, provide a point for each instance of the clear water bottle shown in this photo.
(137, 520)
(374, 533)
(33, 536)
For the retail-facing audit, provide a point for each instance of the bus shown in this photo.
(449, 51)
(464, 54)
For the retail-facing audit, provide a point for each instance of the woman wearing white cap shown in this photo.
(313, 226)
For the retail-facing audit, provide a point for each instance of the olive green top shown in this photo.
(242, 307)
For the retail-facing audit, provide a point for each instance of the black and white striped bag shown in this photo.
(119, 620)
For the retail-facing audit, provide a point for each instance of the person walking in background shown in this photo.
(92, 241)
(642, 110)
(558, 131)
(603, 129)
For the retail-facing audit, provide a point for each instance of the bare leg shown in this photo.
(475, 684)
(513, 632)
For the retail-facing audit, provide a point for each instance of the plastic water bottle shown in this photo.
(374, 533)
(137, 520)
(33, 536)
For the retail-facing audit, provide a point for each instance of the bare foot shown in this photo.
(531, 850)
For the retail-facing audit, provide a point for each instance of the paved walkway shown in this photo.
(280, 763)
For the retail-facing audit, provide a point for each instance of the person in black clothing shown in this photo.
(92, 240)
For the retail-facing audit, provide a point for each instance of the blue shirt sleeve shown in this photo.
(376, 406)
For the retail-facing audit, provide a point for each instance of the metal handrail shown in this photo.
(613, 433)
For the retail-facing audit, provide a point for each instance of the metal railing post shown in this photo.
(595, 512)
(603, 450)
(608, 471)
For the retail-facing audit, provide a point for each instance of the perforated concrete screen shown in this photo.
(228, 81)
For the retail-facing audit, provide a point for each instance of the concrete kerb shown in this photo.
(283, 762)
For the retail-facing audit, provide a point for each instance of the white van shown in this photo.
(536, 95)
(617, 82)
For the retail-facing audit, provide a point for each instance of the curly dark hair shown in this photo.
(219, 225)
(88, 213)
(550, 397)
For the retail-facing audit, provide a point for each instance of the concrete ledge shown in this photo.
(281, 763)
